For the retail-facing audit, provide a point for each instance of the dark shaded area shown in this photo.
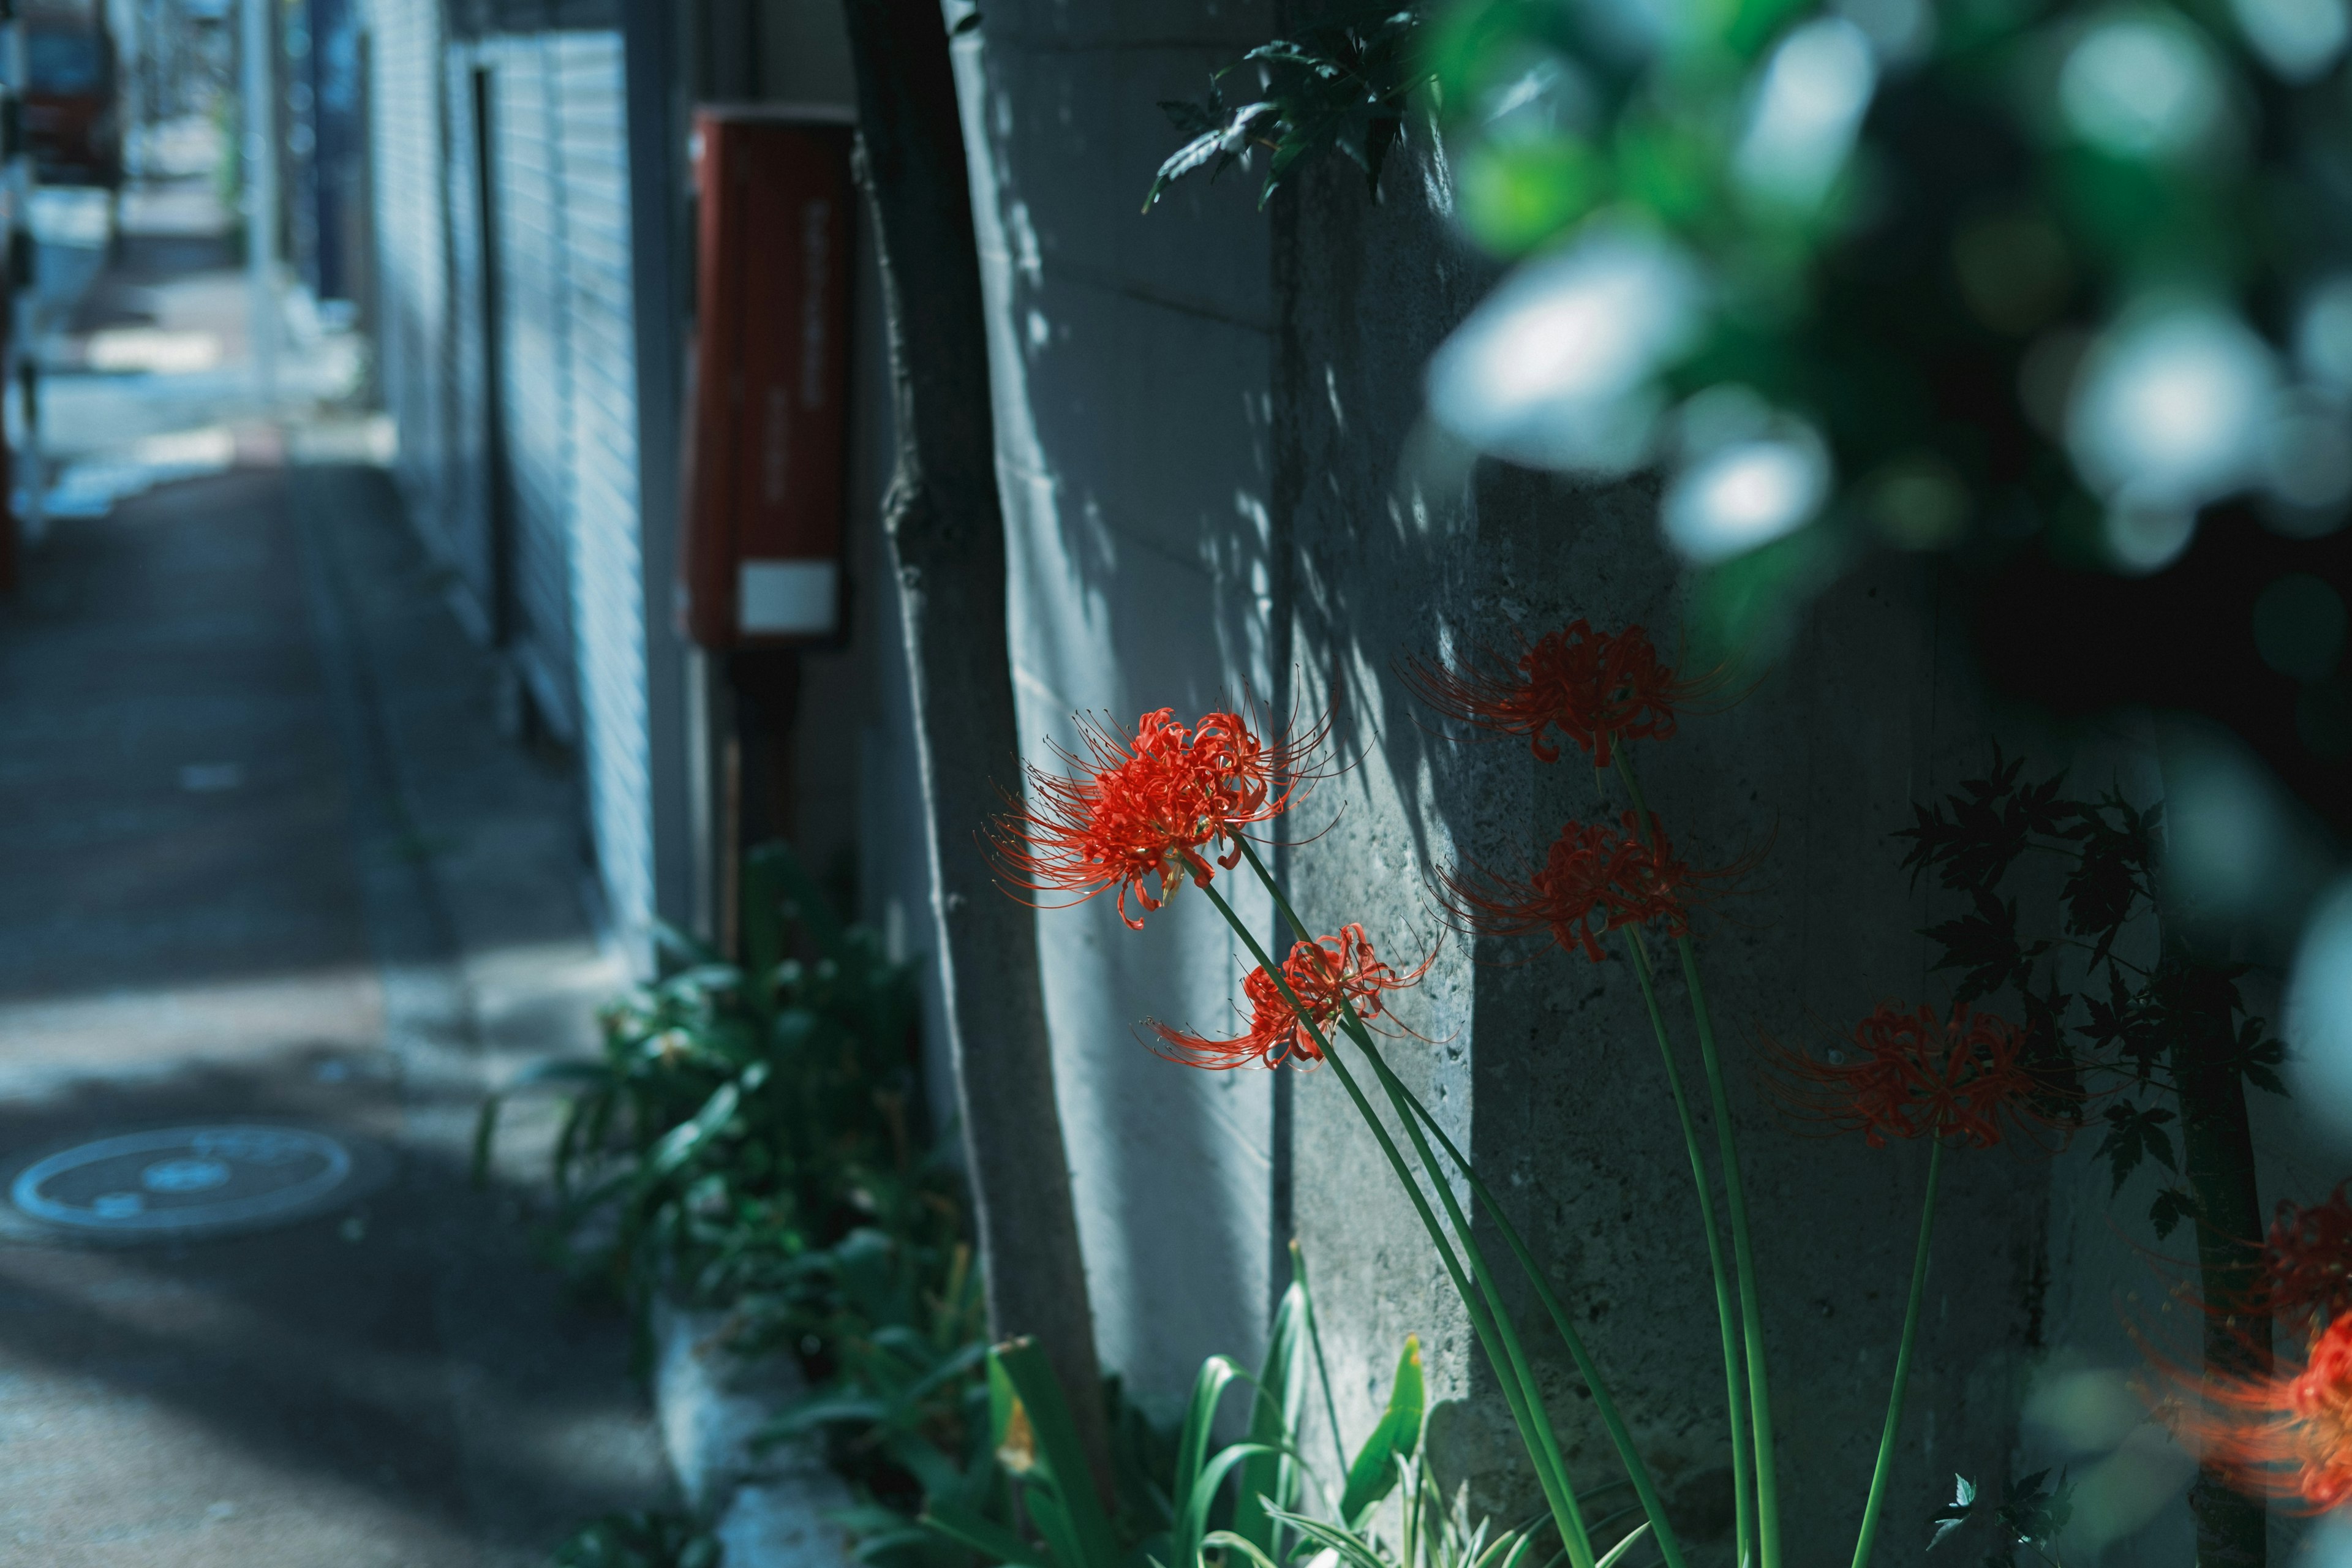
(2079, 642)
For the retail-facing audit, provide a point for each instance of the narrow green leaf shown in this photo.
(1609, 1558)
(1373, 1474)
(1216, 1375)
(1274, 1421)
(1022, 1389)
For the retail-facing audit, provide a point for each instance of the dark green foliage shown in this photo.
(2034, 1517)
(754, 1133)
(2110, 1032)
(2168, 1208)
(1344, 86)
(754, 1137)
(653, 1538)
(2134, 1132)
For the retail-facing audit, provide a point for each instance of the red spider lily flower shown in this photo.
(1320, 974)
(2287, 1434)
(1142, 816)
(2308, 1261)
(1912, 1074)
(1594, 880)
(1594, 688)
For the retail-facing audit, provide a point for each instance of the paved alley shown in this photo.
(269, 862)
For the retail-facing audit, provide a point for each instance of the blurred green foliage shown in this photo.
(2058, 289)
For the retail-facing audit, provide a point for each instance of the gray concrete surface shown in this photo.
(771, 1506)
(265, 857)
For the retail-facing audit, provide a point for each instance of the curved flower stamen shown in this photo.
(2308, 1261)
(1593, 688)
(1909, 1074)
(1142, 816)
(2286, 1435)
(1595, 879)
(1320, 974)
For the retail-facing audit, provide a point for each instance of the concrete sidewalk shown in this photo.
(266, 857)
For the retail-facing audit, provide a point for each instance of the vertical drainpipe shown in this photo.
(260, 198)
(657, 241)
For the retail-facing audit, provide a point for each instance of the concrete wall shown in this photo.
(1133, 360)
(1215, 476)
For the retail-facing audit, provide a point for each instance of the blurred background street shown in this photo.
(268, 860)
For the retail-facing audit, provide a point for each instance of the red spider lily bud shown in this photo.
(1593, 688)
(1320, 974)
(2286, 1434)
(2308, 1261)
(1142, 818)
(1593, 882)
(1911, 1075)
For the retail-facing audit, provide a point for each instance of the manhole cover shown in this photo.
(180, 1180)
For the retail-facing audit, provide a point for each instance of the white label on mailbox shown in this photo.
(787, 598)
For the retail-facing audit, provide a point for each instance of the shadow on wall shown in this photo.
(1131, 357)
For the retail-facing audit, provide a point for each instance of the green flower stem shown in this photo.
(1726, 1315)
(1637, 1471)
(1870, 1511)
(1735, 1192)
(1524, 1410)
(1545, 1448)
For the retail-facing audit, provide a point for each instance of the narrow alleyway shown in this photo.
(267, 862)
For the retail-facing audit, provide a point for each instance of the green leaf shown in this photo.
(680, 1144)
(2134, 1132)
(1216, 1375)
(1373, 1474)
(1956, 1513)
(1610, 1558)
(1046, 1457)
(1274, 1413)
(2169, 1208)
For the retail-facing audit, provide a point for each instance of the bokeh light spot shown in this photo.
(2298, 39)
(2319, 1009)
(2168, 409)
(1801, 128)
(2323, 337)
(1553, 370)
(1745, 494)
(2141, 84)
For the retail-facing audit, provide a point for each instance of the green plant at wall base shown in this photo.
(652, 1539)
(746, 1120)
(1237, 1499)
(1179, 804)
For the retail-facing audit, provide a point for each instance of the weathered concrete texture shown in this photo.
(1568, 1110)
(774, 1506)
(1130, 356)
(359, 901)
(1215, 476)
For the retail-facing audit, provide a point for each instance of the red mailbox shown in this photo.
(767, 430)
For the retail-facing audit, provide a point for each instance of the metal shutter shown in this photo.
(585, 89)
(405, 137)
(535, 374)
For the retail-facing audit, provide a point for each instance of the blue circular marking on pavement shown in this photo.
(179, 1180)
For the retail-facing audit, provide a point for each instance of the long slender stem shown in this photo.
(1524, 1409)
(1735, 1192)
(1547, 1452)
(1878, 1474)
(1637, 1471)
(1315, 1340)
(1726, 1315)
